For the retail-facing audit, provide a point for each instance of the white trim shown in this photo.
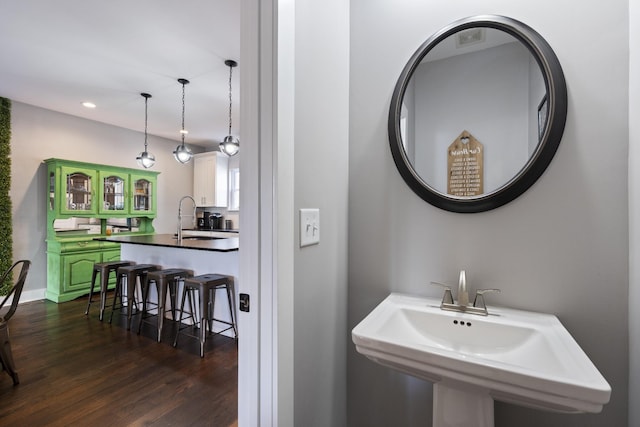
(267, 140)
(248, 323)
(284, 242)
(35, 295)
(265, 365)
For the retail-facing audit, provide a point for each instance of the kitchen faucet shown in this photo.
(463, 306)
(193, 216)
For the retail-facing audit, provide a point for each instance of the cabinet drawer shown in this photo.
(82, 245)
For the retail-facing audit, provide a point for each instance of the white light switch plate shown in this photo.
(309, 227)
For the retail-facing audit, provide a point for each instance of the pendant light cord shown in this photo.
(182, 133)
(230, 74)
(146, 100)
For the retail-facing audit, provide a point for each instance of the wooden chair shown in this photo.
(6, 356)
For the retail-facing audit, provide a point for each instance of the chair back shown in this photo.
(16, 290)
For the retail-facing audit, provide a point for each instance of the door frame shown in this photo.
(265, 356)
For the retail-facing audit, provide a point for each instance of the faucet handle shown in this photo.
(478, 301)
(447, 298)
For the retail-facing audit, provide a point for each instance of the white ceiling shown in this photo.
(57, 54)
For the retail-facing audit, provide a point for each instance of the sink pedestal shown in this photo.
(459, 407)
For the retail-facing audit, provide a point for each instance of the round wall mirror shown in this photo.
(477, 114)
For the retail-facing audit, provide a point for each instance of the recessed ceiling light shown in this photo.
(88, 104)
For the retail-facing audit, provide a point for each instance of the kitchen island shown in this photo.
(170, 241)
(219, 256)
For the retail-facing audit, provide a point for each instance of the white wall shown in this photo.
(561, 248)
(320, 181)
(634, 211)
(38, 134)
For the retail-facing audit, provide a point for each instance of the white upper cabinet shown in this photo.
(210, 179)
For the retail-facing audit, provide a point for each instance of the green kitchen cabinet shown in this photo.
(89, 189)
(143, 200)
(77, 270)
(111, 255)
(77, 190)
(113, 194)
(70, 266)
(85, 201)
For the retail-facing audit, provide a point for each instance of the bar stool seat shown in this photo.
(104, 269)
(206, 285)
(132, 274)
(163, 279)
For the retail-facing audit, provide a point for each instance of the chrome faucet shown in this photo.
(193, 216)
(463, 306)
(463, 295)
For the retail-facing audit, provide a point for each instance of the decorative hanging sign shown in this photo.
(465, 168)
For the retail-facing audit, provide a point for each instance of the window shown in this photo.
(234, 189)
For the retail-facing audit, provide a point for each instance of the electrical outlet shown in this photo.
(244, 302)
(309, 227)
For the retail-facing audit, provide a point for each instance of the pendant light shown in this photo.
(230, 144)
(182, 153)
(146, 159)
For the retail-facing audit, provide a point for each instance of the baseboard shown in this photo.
(34, 295)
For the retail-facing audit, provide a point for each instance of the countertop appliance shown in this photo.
(216, 221)
(203, 222)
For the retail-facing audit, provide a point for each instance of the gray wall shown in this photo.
(320, 181)
(560, 248)
(634, 212)
(447, 102)
(38, 134)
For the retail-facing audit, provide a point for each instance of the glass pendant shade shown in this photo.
(182, 153)
(145, 159)
(230, 145)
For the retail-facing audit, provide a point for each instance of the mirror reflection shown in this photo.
(477, 114)
(473, 112)
(81, 225)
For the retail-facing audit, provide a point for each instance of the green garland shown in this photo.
(6, 224)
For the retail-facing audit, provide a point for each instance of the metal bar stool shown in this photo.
(206, 286)
(132, 273)
(104, 269)
(163, 279)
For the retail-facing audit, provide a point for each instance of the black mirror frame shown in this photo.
(547, 147)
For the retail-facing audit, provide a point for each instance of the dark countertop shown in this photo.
(168, 240)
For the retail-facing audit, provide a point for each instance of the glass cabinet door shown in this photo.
(52, 191)
(78, 186)
(113, 194)
(142, 194)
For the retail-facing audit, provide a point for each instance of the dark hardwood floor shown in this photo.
(77, 371)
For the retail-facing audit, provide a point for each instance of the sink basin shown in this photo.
(511, 355)
(198, 238)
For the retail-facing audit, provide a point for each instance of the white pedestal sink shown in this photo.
(514, 356)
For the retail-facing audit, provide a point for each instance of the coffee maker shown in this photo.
(216, 221)
(203, 222)
(210, 221)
